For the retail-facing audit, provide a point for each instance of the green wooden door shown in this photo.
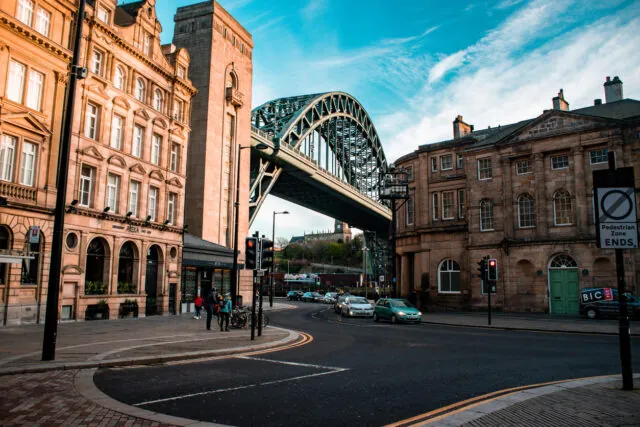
(564, 291)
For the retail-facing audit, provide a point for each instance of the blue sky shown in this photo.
(415, 65)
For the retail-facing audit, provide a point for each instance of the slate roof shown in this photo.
(125, 14)
(619, 110)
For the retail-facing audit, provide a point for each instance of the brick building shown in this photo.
(221, 52)
(521, 193)
(34, 54)
(127, 170)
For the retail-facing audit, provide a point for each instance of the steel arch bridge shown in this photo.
(323, 152)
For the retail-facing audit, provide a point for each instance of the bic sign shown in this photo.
(597, 294)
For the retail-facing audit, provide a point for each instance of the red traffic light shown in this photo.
(251, 243)
(492, 263)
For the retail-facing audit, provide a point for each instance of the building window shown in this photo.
(134, 191)
(410, 211)
(153, 204)
(97, 267)
(96, 62)
(447, 205)
(562, 214)
(25, 11)
(147, 45)
(459, 161)
(409, 172)
(104, 15)
(157, 100)
(526, 211)
(91, 121)
(15, 84)
(87, 175)
(171, 208)
(43, 22)
(34, 93)
(117, 125)
(181, 71)
(28, 167)
(484, 169)
(156, 144)
(119, 79)
(486, 215)
(446, 162)
(138, 139)
(113, 190)
(461, 206)
(434, 206)
(7, 155)
(599, 156)
(434, 164)
(559, 162)
(31, 267)
(449, 277)
(175, 156)
(177, 110)
(140, 89)
(523, 167)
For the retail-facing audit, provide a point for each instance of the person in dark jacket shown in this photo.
(209, 303)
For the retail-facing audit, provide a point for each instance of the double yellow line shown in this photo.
(306, 339)
(464, 405)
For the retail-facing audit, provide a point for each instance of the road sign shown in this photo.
(34, 234)
(616, 217)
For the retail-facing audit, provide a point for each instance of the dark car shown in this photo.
(295, 295)
(312, 297)
(603, 302)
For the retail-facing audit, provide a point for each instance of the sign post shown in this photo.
(617, 228)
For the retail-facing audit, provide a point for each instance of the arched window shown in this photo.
(140, 89)
(5, 243)
(526, 211)
(562, 214)
(486, 215)
(128, 269)
(232, 80)
(157, 100)
(97, 267)
(449, 277)
(119, 78)
(31, 267)
(563, 261)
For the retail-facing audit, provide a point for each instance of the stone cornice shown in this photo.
(35, 37)
(123, 220)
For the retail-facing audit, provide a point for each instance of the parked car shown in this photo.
(312, 297)
(295, 295)
(337, 306)
(603, 302)
(357, 307)
(396, 310)
(330, 298)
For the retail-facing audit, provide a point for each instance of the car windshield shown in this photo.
(358, 301)
(400, 303)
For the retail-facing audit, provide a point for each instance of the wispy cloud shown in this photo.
(268, 24)
(314, 8)
(232, 5)
(504, 4)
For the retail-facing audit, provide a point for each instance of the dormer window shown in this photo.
(147, 45)
(181, 71)
(104, 15)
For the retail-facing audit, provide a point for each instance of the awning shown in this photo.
(13, 259)
(191, 259)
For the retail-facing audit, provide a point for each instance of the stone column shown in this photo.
(541, 195)
(405, 279)
(507, 197)
(580, 191)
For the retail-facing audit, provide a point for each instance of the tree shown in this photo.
(282, 242)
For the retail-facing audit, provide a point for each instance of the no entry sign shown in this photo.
(616, 223)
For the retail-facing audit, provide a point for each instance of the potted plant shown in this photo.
(102, 310)
(129, 308)
(126, 288)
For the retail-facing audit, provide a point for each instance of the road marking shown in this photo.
(222, 390)
(464, 405)
(309, 365)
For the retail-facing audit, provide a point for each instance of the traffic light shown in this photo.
(251, 253)
(482, 268)
(266, 254)
(492, 270)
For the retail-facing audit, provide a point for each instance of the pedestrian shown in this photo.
(209, 303)
(225, 311)
(198, 301)
(217, 307)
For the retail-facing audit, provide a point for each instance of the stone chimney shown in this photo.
(559, 103)
(613, 89)
(597, 101)
(460, 128)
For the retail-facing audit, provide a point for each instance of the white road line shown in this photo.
(222, 390)
(308, 365)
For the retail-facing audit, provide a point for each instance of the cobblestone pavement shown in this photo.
(50, 399)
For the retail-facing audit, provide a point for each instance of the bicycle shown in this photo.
(239, 317)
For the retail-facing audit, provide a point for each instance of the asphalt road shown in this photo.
(357, 372)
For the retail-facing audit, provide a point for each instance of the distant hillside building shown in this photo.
(341, 233)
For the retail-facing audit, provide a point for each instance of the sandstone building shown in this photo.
(521, 193)
(221, 52)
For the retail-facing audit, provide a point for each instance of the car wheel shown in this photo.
(394, 319)
(375, 317)
(592, 313)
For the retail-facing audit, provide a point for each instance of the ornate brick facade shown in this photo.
(521, 193)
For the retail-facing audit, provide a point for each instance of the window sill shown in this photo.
(489, 229)
(563, 225)
(526, 228)
(449, 292)
(485, 179)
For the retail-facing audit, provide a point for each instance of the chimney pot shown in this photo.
(460, 128)
(613, 89)
(559, 102)
(597, 101)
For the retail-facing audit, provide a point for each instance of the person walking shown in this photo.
(225, 312)
(198, 301)
(209, 303)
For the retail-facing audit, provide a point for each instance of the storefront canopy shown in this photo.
(198, 252)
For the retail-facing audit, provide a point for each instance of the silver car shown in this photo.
(357, 307)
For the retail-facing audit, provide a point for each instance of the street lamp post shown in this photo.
(273, 237)
(236, 206)
(365, 281)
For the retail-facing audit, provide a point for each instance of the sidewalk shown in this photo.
(588, 402)
(528, 321)
(129, 341)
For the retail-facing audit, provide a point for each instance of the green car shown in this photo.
(396, 310)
